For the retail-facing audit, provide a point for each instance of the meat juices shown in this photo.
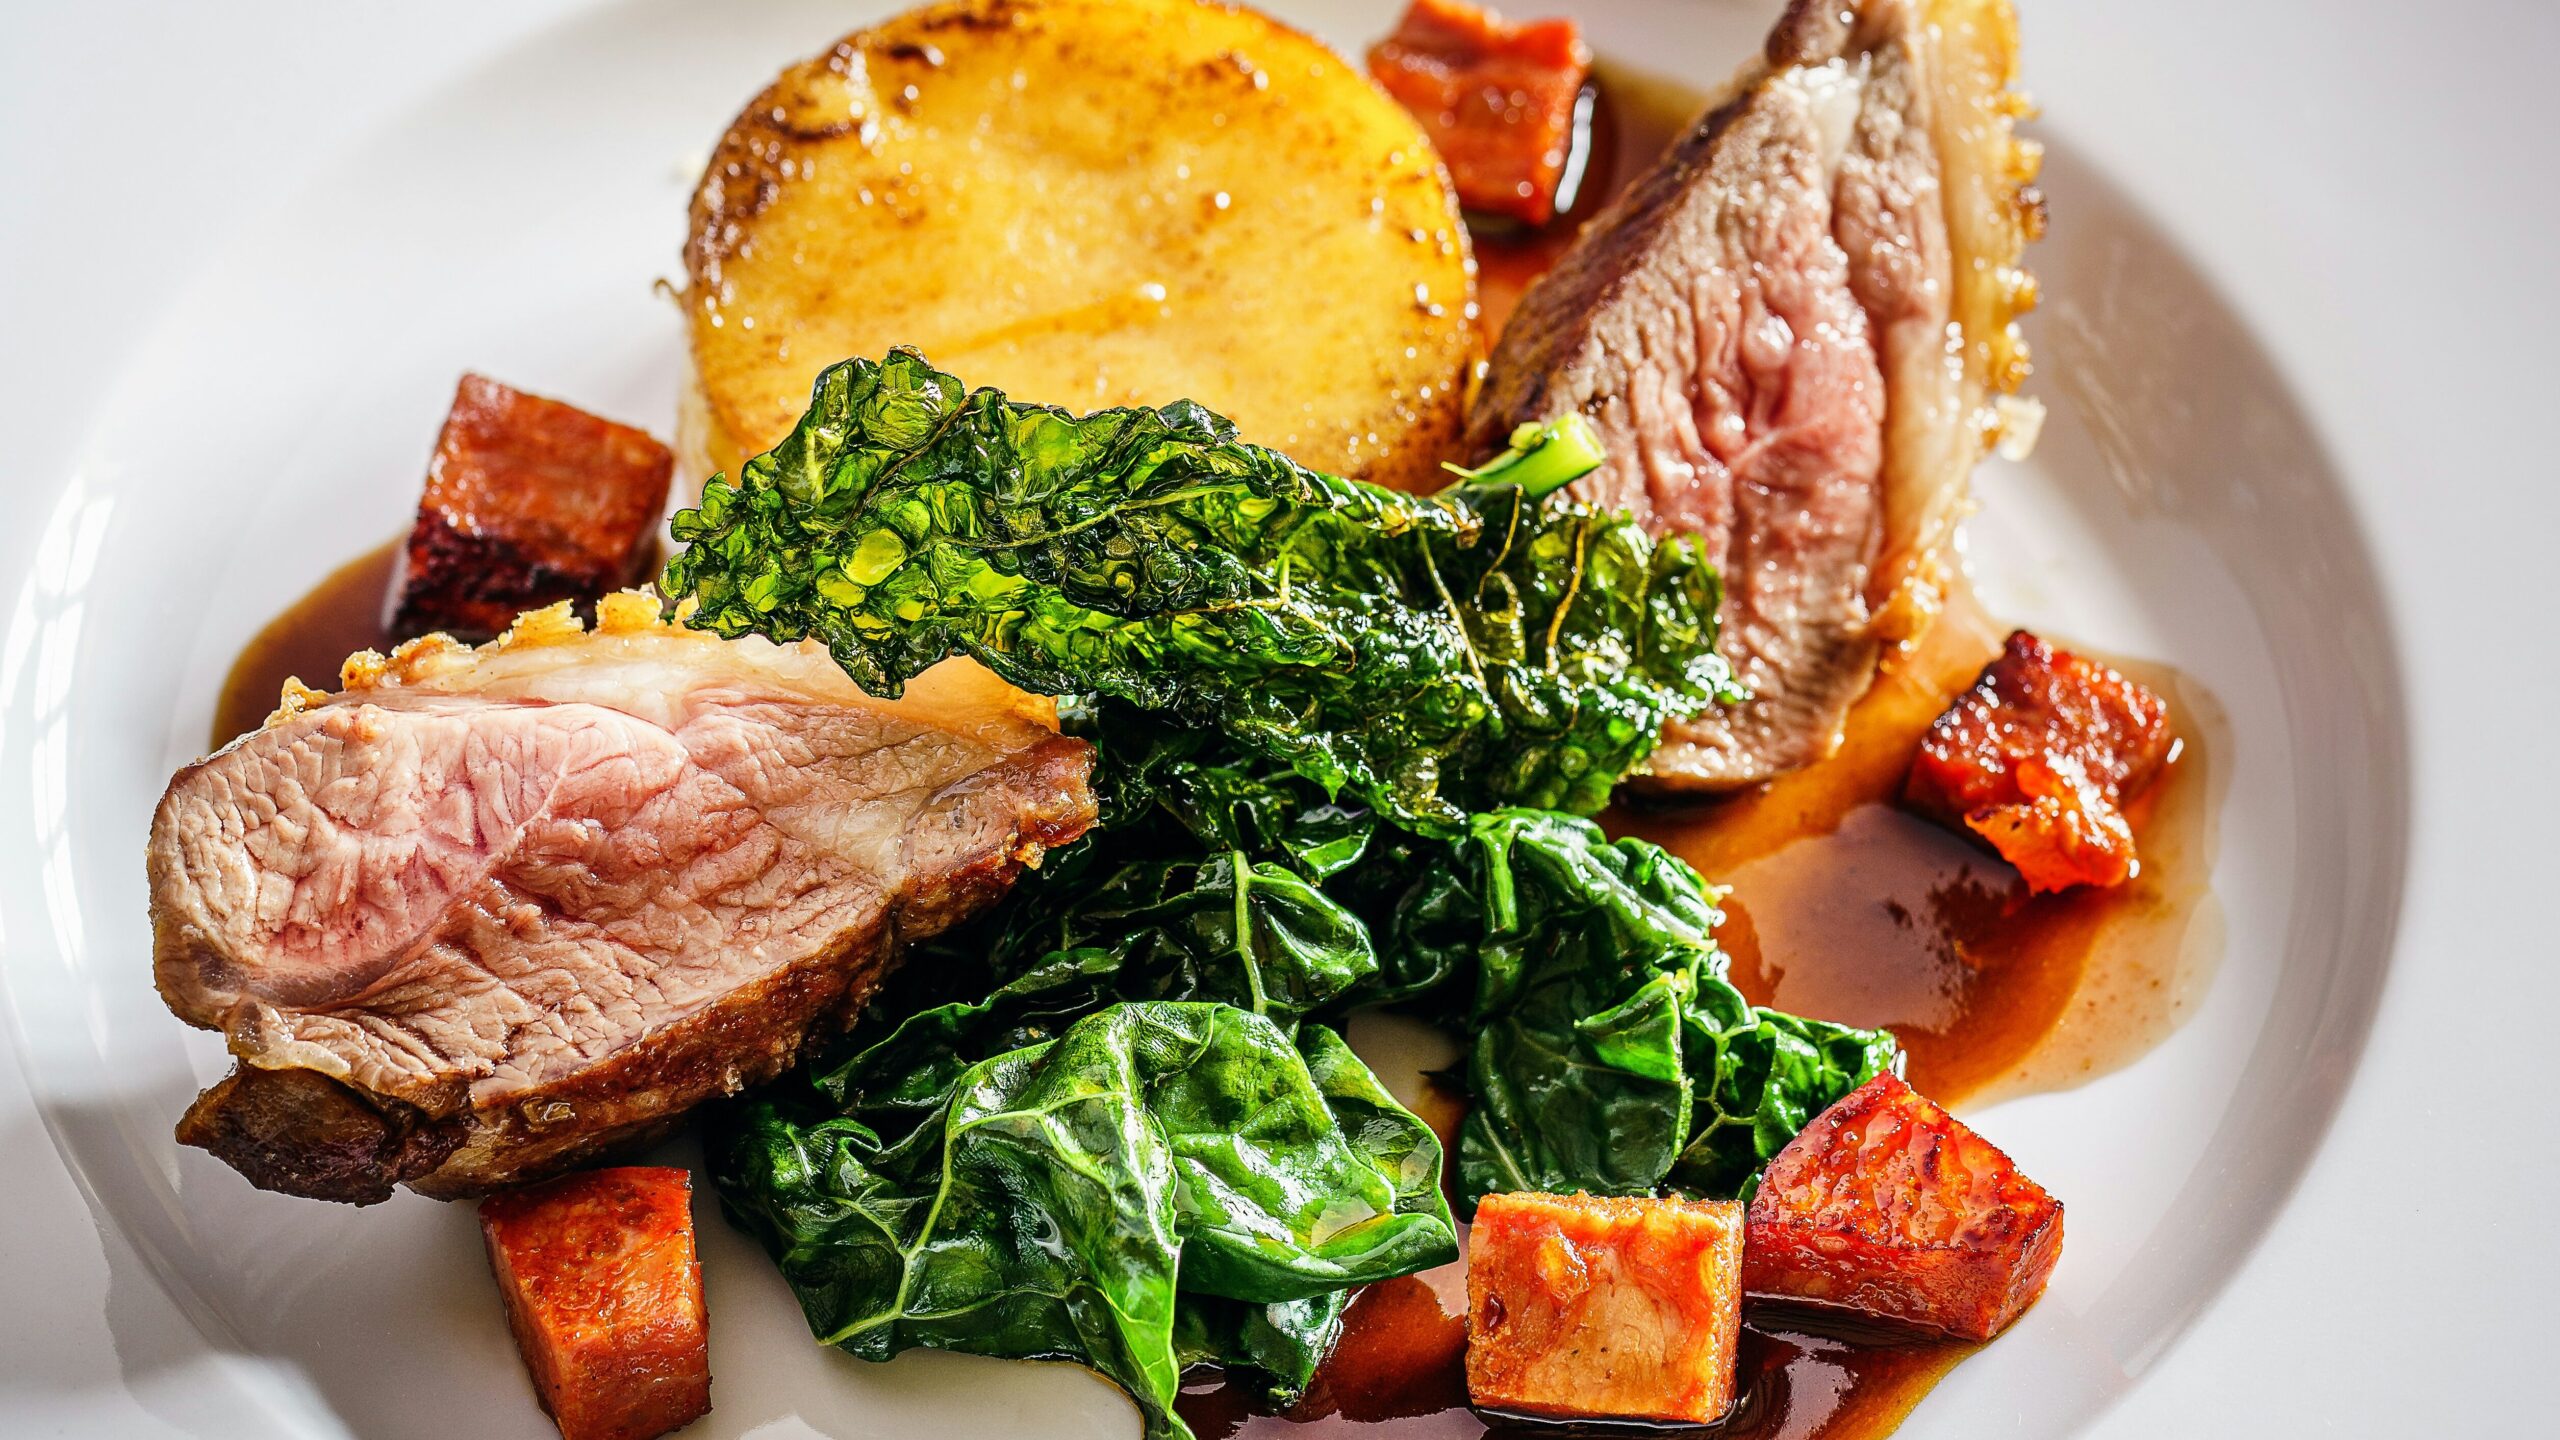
(1790, 334)
(528, 501)
(485, 914)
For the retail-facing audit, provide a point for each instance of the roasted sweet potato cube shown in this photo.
(2039, 758)
(605, 1297)
(1602, 1306)
(527, 501)
(1497, 99)
(1888, 1206)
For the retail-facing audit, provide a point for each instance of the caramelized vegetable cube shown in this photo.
(605, 1297)
(2039, 758)
(527, 501)
(1891, 1207)
(1497, 99)
(1603, 1306)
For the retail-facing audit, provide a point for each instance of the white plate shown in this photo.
(187, 457)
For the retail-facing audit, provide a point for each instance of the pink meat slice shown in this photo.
(487, 913)
(1790, 333)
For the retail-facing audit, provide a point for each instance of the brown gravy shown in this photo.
(1846, 906)
(340, 616)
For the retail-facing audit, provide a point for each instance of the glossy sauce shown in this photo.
(1846, 906)
(342, 615)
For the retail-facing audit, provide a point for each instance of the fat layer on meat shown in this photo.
(1792, 334)
(484, 913)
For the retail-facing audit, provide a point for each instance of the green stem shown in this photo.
(1542, 458)
(1244, 931)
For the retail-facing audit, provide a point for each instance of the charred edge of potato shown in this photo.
(746, 171)
(744, 177)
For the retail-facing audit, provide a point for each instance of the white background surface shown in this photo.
(2364, 185)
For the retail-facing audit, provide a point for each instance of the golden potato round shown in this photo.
(1088, 203)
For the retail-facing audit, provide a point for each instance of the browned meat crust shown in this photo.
(300, 1132)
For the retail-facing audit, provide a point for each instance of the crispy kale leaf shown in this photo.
(1162, 1183)
(1432, 655)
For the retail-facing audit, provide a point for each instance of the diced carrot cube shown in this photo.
(1401, 1353)
(2039, 758)
(1888, 1206)
(604, 1294)
(1497, 99)
(1604, 1306)
(527, 501)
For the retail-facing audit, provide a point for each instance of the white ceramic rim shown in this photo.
(2333, 1015)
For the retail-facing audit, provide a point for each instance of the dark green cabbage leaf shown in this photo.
(1430, 654)
(1284, 1342)
(1607, 1051)
(1163, 930)
(1061, 1200)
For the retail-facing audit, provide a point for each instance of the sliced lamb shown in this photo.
(1793, 334)
(486, 913)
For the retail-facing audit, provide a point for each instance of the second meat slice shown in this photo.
(1792, 334)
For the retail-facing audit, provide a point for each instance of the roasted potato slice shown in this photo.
(1088, 203)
